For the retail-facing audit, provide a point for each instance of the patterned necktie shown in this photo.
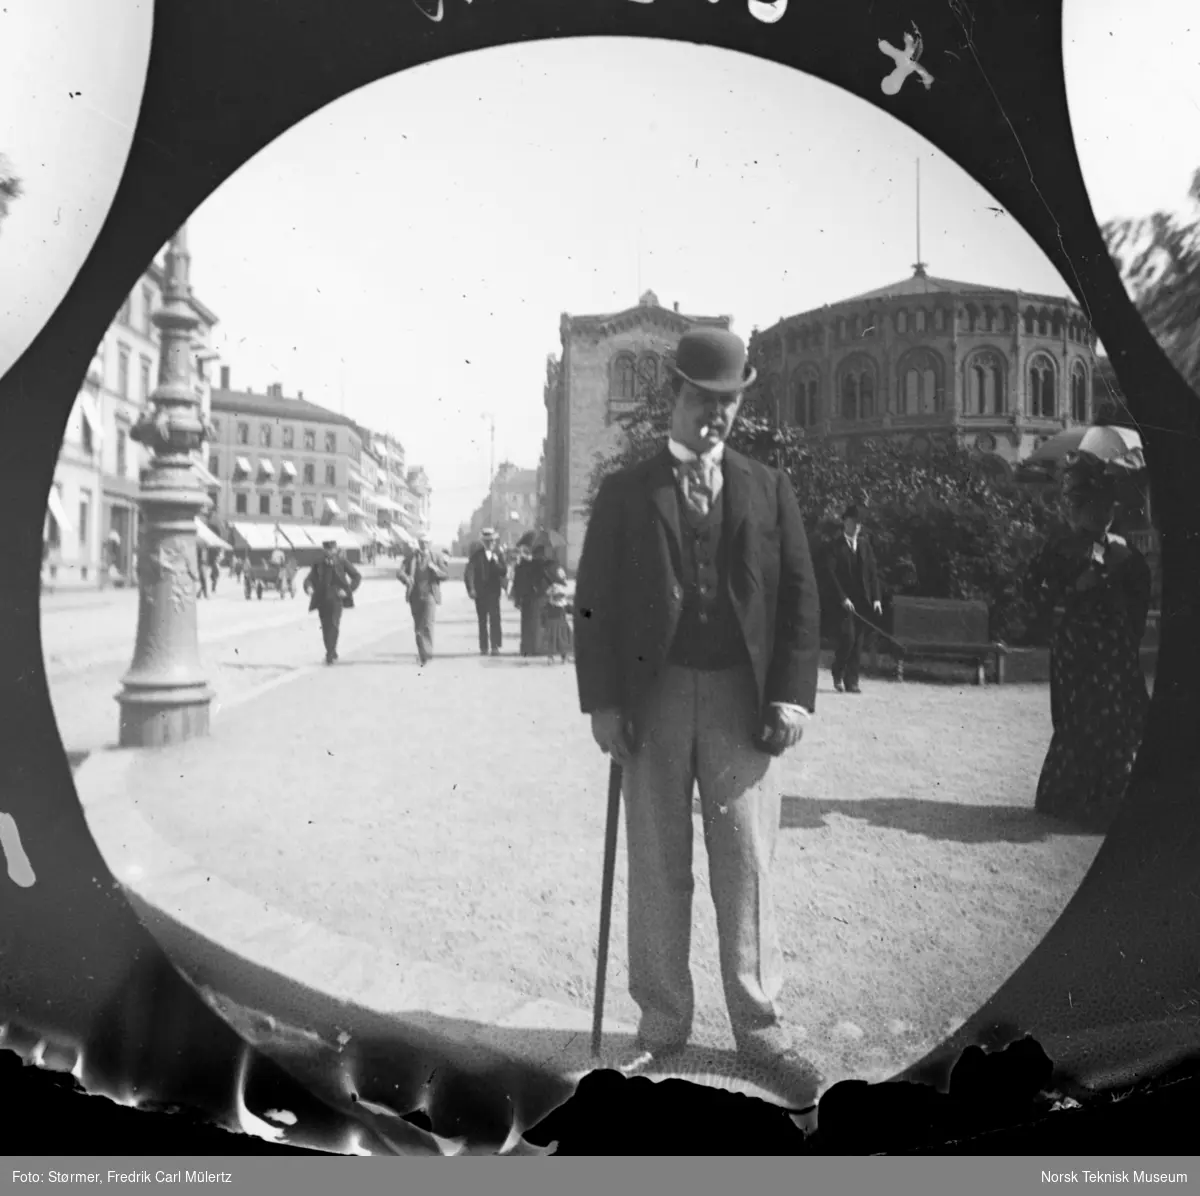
(697, 484)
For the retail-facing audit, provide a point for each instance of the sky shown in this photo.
(405, 254)
(71, 80)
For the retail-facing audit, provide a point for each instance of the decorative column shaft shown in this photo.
(165, 697)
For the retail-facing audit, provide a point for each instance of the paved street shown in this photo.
(454, 814)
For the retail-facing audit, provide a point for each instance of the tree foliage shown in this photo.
(943, 524)
(1159, 260)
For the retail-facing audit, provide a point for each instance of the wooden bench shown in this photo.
(943, 629)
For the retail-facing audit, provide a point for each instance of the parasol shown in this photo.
(1121, 447)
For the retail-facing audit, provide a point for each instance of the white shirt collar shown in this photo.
(680, 453)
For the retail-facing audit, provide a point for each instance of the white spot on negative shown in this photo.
(20, 871)
(768, 13)
(908, 62)
(848, 1030)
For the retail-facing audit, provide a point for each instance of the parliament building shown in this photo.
(928, 358)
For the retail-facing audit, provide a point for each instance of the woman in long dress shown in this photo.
(1098, 697)
(522, 594)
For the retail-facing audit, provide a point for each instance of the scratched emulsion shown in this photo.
(20, 872)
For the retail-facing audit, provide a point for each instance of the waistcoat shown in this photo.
(709, 636)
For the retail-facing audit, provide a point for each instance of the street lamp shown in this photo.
(164, 696)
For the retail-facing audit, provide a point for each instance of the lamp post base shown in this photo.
(162, 717)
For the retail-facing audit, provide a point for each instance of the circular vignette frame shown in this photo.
(1109, 993)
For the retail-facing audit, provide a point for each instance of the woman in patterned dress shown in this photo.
(1098, 695)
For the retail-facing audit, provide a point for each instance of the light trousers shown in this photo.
(697, 729)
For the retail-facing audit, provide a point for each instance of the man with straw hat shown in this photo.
(697, 649)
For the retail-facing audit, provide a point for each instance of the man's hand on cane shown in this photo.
(611, 732)
(848, 605)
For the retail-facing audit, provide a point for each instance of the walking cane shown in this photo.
(606, 894)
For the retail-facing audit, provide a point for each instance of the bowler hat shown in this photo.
(712, 359)
(488, 533)
(328, 543)
(851, 512)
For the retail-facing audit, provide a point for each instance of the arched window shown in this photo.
(842, 329)
(857, 387)
(919, 377)
(902, 321)
(986, 390)
(920, 319)
(1029, 318)
(989, 318)
(939, 320)
(1043, 322)
(1079, 403)
(1042, 397)
(1006, 319)
(622, 383)
(972, 317)
(804, 398)
(647, 375)
(1057, 323)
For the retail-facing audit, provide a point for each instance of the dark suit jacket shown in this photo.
(851, 575)
(332, 584)
(423, 581)
(629, 591)
(485, 579)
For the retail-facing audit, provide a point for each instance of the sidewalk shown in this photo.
(428, 843)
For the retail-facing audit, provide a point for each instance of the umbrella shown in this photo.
(1119, 446)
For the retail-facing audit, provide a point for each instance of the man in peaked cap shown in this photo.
(697, 649)
(331, 582)
(485, 578)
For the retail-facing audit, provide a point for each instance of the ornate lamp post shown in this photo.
(165, 697)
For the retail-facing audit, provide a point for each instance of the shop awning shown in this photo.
(257, 536)
(380, 536)
(402, 537)
(344, 537)
(209, 538)
(288, 471)
(298, 536)
(265, 467)
(242, 465)
(207, 480)
(87, 406)
(383, 503)
(55, 507)
(332, 508)
(355, 509)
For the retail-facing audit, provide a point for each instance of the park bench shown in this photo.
(943, 629)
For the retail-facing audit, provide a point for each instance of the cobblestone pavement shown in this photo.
(454, 813)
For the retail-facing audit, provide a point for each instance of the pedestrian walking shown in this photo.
(697, 660)
(486, 578)
(422, 575)
(557, 618)
(522, 592)
(854, 580)
(215, 564)
(331, 582)
(200, 569)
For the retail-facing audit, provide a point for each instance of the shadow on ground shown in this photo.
(942, 820)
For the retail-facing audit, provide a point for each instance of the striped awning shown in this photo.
(332, 508)
(288, 470)
(266, 467)
(257, 536)
(242, 465)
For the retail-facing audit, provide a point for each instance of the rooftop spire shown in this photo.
(919, 266)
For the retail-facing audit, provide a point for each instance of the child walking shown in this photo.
(556, 619)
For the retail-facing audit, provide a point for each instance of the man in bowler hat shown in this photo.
(854, 581)
(331, 582)
(696, 656)
(422, 575)
(485, 578)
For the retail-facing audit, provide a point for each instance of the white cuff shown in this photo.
(792, 707)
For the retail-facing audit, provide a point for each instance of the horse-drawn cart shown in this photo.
(270, 573)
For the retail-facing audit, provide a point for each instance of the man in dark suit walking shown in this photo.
(697, 651)
(854, 580)
(331, 582)
(485, 578)
(422, 575)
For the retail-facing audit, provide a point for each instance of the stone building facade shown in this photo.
(928, 357)
(606, 363)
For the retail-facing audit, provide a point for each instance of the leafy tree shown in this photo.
(1159, 260)
(10, 186)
